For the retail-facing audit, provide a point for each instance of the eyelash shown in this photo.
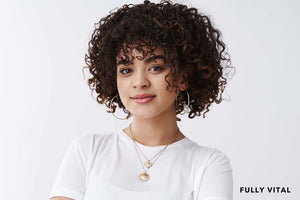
(159, 69)
(122, 70)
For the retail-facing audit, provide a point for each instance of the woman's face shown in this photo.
(142, 85)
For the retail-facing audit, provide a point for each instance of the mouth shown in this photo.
(143, 98)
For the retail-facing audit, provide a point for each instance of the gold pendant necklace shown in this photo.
(148, 164)
(144, 176)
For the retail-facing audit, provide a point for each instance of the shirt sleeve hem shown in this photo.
(64, 192)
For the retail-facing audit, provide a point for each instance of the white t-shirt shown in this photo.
(107, 167)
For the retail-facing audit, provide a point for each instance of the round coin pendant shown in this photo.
(144, 177)
(148, 164)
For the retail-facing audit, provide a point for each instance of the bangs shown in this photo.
(146, 49)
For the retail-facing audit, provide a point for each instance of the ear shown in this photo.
(183, 85)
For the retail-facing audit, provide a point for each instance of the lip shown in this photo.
(143, 98)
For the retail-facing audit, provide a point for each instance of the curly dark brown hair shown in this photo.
(191, 44)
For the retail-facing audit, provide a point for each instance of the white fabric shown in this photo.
(97, 167)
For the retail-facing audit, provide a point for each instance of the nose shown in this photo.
(140, 80)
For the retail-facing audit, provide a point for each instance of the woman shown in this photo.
(154, 61)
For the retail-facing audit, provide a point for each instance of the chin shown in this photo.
(144, 115)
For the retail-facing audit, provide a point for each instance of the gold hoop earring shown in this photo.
(111, 110)
(187, 107)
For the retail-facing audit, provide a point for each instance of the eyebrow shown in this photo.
(148, 60)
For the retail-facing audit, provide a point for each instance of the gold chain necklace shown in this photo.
(145, 176)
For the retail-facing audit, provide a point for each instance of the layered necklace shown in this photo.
(144, 176)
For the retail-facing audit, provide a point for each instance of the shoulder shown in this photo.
(218, 162)
(91, 142)
(208, 156)
(93, 138)
(215, 156)
(213, 174)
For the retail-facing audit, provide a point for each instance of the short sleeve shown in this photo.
(71, 177)
(214, 182)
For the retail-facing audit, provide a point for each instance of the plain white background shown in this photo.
(45, 101)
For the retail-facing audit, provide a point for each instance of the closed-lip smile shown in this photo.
(141, 96)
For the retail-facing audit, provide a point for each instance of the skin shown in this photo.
(154, 123)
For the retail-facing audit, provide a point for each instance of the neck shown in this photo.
(155, 131)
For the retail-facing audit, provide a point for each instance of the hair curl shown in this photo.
(192, 46)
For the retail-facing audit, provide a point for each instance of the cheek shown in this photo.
(165, 85)
(122, 89)
(170, 80)
(121, 92)
(168, 94)
(120, 83)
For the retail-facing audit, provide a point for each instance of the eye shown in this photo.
(157, 68)
(125, 71)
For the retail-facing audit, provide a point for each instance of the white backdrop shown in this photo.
(45, 102)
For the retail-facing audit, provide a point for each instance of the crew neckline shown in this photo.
(177, 143)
